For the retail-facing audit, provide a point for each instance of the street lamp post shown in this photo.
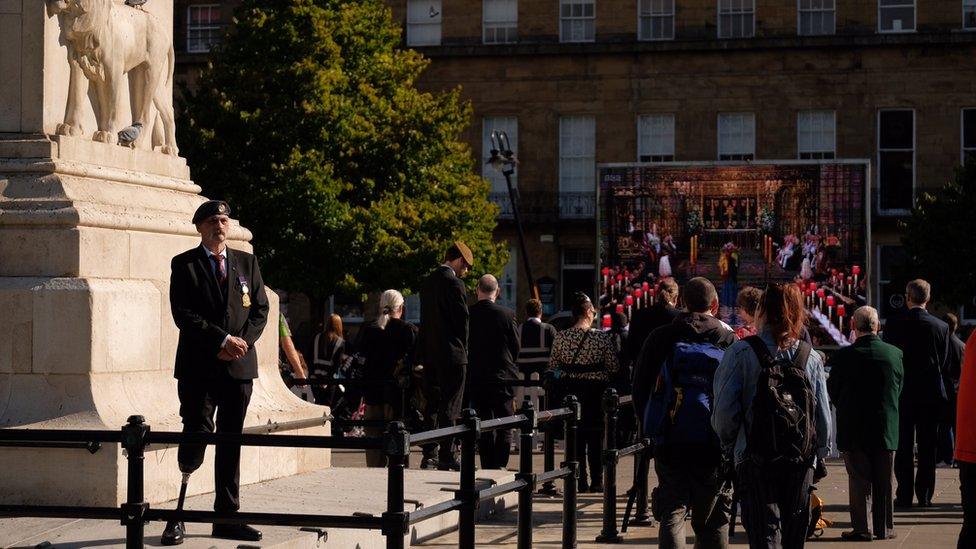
(503, 160)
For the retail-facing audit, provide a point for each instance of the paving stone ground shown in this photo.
(935, 527)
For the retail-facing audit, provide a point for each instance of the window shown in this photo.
(500, 21)
(578, 273)
(577, 20)
(577, 167)
(656, 20)
(892, 277)
(202, 27)
(896, 15)
(968, 134)
(816, 17)
(507, 283)
(815, 135)
(969, 14)
(737, 136)
(655, 138)
(411, 308)
(736, 18)
(423, 22)
(896, 161)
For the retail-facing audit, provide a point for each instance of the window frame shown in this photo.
(439, 23)
(962, 135)
(641, 38)
(972, 4)
(564, 212)
(718, 23)
(485, 22)
(592, 19)
(877, 158)
(903, 31)
(640, 140)
(799, 152)
(190, 27)
(799, 18)
(718, 138)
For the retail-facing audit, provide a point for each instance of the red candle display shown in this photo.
(813, 287)
(841, 311)
(652, 292)
(639, 295)
(820, 296)
(856, 270)
(607, 323)
(830, 301)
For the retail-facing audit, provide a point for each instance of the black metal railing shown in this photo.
(396, 442)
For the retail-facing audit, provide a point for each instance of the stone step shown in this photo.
(337, 490)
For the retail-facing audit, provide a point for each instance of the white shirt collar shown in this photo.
(223, 252)
(535, 319)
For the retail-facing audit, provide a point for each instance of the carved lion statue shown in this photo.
(111, 45)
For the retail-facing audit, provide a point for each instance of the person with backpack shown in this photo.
(772, 413)
(673, 388)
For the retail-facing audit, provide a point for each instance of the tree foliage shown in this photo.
(939, 238)
(309, 122)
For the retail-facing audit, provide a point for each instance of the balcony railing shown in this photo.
(545, 206)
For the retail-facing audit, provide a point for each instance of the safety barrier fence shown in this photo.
(394, 523)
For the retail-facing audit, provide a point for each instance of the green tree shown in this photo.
(939, 238)
(309, 122)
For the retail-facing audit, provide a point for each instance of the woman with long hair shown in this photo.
(328, 353)
(581, 363)
(773, 487)
(387, 344)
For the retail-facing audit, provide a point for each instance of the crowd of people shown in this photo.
(745, 410)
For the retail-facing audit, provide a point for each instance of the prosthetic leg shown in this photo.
(175, 530)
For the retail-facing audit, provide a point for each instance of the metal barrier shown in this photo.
(612, 404)
(395, 523)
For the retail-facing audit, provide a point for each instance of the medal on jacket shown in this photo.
(245, 297)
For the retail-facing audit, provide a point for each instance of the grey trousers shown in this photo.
(869, 482)
(684, 487)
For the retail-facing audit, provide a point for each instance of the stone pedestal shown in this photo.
(87, 231)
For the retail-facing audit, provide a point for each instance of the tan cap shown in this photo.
(465, 252)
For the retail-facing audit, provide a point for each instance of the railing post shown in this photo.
(642, 517)
(468, 492)
(135, 506)
(611, 455)
(569, 482)
(396, 446)
(548, 448)
(526, 443)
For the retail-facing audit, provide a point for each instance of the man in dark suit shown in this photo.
(219, 305)
(443, 348)
(494, 345)
(865, 385)
(924, 340)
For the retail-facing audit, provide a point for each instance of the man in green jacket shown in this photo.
(865, 384)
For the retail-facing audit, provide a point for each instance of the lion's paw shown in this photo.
(67, 129)
(172, 151)
(103, 137)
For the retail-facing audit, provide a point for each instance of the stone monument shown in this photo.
(94, 201)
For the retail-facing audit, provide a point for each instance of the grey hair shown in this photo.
(865, 320)
(390, 302)
(488, 284)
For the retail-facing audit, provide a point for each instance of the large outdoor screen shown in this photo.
(738, 225)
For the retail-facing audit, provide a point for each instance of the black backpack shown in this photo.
(783, 410)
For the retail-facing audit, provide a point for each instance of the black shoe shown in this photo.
(173, 534)
(925, 504)
(902, 504)
(449, 465)
(240, 532)
(891, 535)
(596, 487)
(855, 536)
(582, 486)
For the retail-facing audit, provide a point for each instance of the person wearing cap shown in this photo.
(219, 305)
(443, 347)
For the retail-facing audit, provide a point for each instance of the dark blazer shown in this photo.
(384, 349)
(205, 315)
(924, 340)
(443, 346)
(644, 321)
(494, 343)
(536, 345)
(864, 385)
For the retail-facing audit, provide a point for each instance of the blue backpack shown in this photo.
(679, 412)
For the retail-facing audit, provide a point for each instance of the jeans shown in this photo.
(683, 487)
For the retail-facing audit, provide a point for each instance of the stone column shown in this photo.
(87, 231)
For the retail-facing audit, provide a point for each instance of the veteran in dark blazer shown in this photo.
(443, 346)
(494, 348)
(924, 340)
(865, 385)
(218, 302)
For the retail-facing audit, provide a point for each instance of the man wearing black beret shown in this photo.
(218, 302)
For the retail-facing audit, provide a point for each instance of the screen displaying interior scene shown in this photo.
(740, 226)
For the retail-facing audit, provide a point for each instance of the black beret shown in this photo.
(209, 208)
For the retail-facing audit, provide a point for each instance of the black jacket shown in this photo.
(687, 327)
(646, 320)
(384, 348)
(443, 345)
(924, 340)
(205, 315)
(494, 343)
(536, 345)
